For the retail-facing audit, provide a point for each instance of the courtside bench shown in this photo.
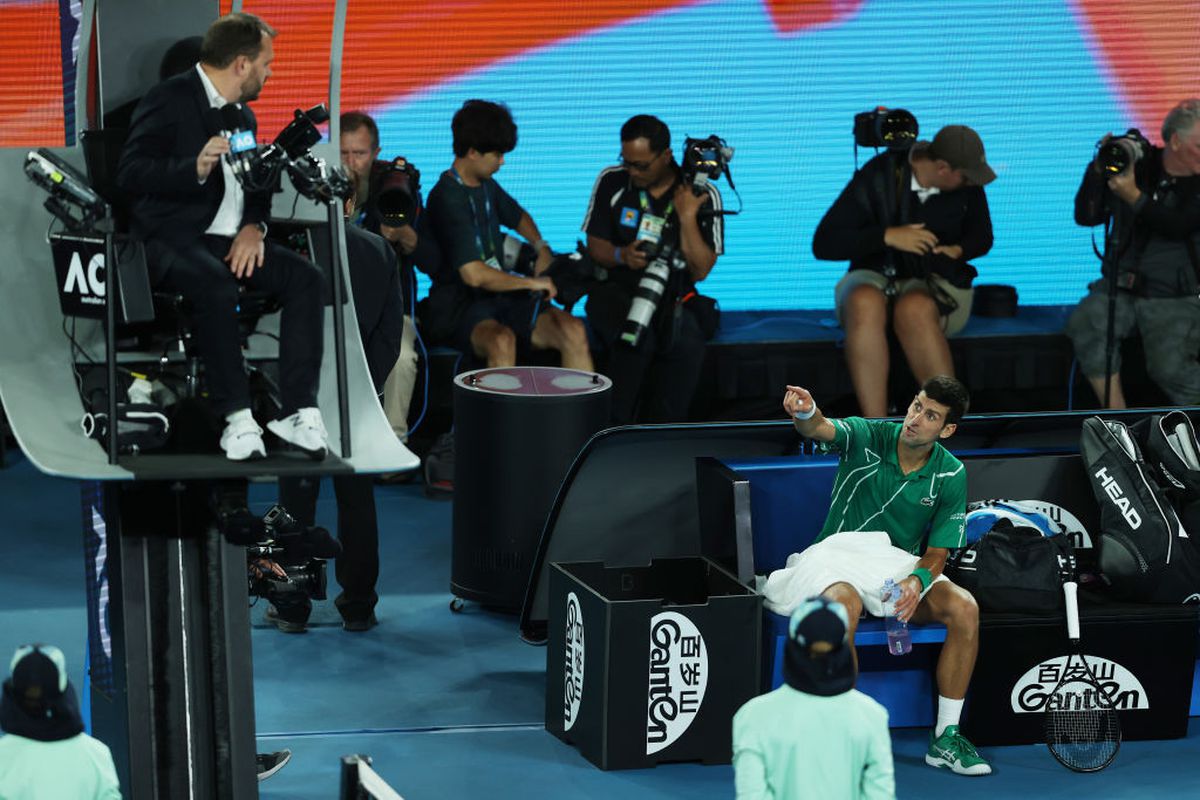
(756, 512)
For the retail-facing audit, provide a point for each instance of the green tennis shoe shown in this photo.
(952, 750)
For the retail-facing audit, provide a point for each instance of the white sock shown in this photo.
(948, 713)
(237, 416)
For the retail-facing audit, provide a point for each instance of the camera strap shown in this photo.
(644, 204)
(480, 236)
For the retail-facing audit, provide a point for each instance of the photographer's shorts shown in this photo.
(1170, 331)
(514, 310)
(952, 323)
(863, 559)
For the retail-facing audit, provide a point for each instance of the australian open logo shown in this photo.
(1032, 692)
(678, 677)
(573, 662)
(87, 283)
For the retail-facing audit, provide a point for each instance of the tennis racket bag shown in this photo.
(1145, 551)
(1169, 444)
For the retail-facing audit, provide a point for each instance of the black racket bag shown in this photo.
(1145, 551)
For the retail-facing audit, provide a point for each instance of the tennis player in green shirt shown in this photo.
(898, 508)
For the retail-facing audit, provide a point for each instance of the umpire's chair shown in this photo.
(167, 340)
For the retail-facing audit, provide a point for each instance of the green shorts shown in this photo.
(952, 322)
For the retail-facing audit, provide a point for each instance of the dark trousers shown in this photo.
(650, 383)
(357, 568)
(198, 273)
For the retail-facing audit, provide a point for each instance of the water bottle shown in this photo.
(898, 637)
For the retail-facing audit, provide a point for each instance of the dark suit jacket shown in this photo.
(158, 164)
(375, 281)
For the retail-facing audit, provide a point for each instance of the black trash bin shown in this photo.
(646, 665)
(516, 432)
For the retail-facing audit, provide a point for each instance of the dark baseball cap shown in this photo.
(961, 148)
(819, 621)
(39, 673)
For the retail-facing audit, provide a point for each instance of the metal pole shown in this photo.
(337, 258)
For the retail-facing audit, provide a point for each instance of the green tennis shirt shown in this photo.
(871, 493)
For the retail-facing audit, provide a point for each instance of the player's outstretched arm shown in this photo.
(805, 415)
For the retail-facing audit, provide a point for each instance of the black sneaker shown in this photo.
(286, 625)
(359, 624)
(270, 763)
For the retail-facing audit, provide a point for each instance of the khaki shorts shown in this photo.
(952, 323)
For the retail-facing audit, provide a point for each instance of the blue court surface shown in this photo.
(451, 705)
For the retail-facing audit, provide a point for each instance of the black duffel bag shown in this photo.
(1014, 568)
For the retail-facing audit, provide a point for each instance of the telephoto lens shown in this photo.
(646, 298)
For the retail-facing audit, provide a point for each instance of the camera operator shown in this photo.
(375, 284)
(633, 204)
(475, 305)
(909, 222)
(205, 236)
(1154, 206)
(414, 244)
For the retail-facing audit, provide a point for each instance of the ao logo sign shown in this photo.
(90, 285)
(678, 677)
(1123, 689)
(573, 660)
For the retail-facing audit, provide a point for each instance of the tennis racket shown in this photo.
(1083, 731)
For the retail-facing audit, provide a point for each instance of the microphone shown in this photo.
(242, 147)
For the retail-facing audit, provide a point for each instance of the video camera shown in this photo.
(1120, 153)
(890, 128)
(281, 538)
(258, 170)
(397, 191)
(705, 160)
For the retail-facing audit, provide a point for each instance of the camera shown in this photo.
(396, 191)
(1119, 153)
(649, 291)
(259, 170)
(300, 550)
(705, 160)
(890, 128)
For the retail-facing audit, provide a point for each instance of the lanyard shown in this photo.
(487, 210)
(644, 203)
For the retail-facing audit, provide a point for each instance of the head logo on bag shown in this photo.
(1117, 495)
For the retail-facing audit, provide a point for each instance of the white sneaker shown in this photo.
(242, 440)
(305, 430)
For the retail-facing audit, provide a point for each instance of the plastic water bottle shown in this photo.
(898, 637)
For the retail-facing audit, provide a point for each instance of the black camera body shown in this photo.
(1120, 153)
(396, 191)
(705, 160)
(286, 542)
(889, 128)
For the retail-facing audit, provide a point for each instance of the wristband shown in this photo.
(803, 415)
(924, 576)
(617, 255)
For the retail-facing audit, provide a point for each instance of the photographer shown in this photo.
(475, 305)
(909, 222)
(205, 240)
(1154, 207)
(636, 209)
(414, 244)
